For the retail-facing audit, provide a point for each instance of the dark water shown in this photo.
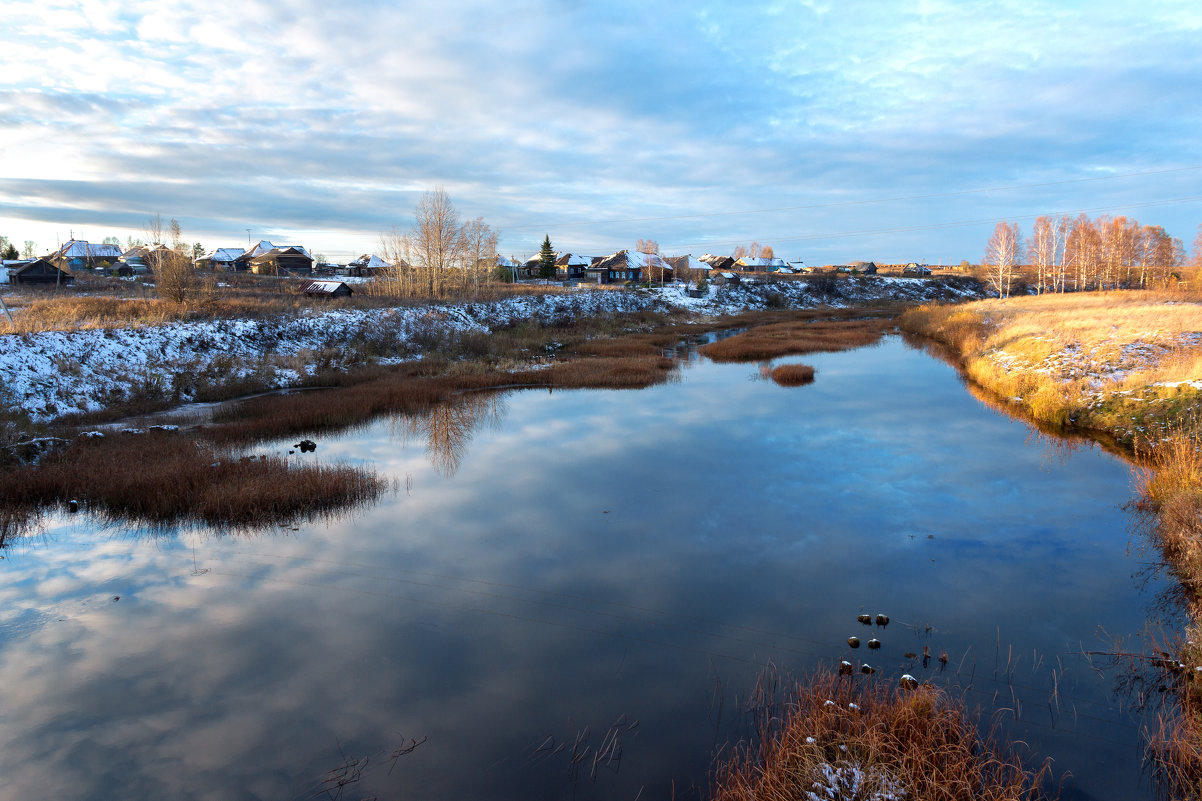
(571, 593)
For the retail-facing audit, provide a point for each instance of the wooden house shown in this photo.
(572, 266)
(77, 254)
(719, 262)
(38, 272)
(220, 259)
(268, 259)
(863, 267)
(366, 266)
(724, 278)
(759, 264)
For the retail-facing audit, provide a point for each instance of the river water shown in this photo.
(571, 595)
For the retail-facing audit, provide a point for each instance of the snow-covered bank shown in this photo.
(54, 373)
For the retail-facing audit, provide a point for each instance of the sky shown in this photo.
(832, 131)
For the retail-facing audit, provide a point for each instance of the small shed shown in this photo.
(327, 289)
(724, 278)
(39, 271)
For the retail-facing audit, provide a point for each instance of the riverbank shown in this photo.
(1127, 367)
(88, 369)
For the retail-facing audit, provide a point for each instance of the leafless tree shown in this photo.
(1002, 256)
(397, 278)
(175, 277)
(1042, 250)
(437, 239)
(480, 250)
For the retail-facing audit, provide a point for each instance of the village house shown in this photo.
(27, 272)
(759, 264)
(572, 266)
(688, 267)
(724, 278)
(268, 259)
(719, 262)
(628, 267)
(220, 259)
(77, 254)
(366, 266)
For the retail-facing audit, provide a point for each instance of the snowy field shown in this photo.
(54, 373)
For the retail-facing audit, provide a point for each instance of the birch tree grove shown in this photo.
(440, 256)
(1081, 254)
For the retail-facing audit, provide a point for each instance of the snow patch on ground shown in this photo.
(53, 373)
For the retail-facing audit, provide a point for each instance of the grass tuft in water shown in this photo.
(839, 737)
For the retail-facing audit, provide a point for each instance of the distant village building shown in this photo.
(572, 266)
(719, 262)
(759, 264)
(689, 267)
(34, 272)
(77, 254)
(268, 259)
(220, 259)
(865, 267)
(724, 278)
(366, 266)
(627, 266)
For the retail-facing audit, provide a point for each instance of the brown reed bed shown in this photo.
(792, 375)
(416, 388)
(797, 337)
(164, 478)
(831, 732)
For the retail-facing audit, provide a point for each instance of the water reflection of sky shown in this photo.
(593, 555)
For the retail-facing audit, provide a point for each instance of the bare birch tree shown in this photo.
(480, 250)
(1042, 251)
(437, 239)
(1002, 255)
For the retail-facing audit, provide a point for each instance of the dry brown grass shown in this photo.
(162, 478)
(793, 375)
(796, 338)
(417, 388)
(919, 741)
(101, 303)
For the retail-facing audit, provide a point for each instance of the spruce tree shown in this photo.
(546, 259)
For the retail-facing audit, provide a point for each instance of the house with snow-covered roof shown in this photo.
(77, 254)
(220, 259)
(268, 259)
(366, 265)
(759, 264)
(628, 266)
(572, 265)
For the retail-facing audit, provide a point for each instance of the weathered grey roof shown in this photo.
(326, 287)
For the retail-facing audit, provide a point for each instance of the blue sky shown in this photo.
(832, 131)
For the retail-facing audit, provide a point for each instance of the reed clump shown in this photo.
(797, 337)
(839, 738)
(163, 478)
(793, 375)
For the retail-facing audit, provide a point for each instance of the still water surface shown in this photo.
(570, 595)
